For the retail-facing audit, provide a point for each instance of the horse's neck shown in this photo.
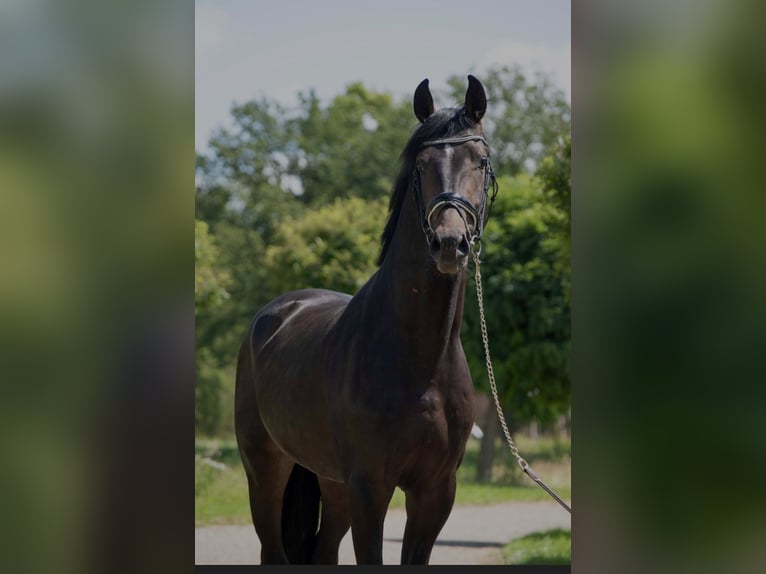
(424, 307)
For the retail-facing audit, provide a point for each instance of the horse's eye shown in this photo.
(484, 162)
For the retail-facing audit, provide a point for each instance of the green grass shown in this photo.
(221, 494)
(474, 493)
(547, 547)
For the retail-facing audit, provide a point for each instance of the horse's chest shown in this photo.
(439, 423)
(431, 409)
(457, 410)
(431, 434)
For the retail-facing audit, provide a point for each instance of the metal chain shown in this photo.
(488, 360)
(492, 385)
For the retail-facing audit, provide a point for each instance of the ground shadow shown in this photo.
(464, 543)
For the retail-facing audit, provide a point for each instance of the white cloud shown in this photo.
(554, 60)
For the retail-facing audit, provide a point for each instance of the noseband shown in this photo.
(459, 202)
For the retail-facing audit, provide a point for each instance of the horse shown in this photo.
(341, 399)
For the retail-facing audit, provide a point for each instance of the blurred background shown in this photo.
(669, 314)
(99, 157)
(96, 296)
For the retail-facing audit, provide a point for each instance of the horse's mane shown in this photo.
(444, 123)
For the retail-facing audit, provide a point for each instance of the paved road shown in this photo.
(472, 535)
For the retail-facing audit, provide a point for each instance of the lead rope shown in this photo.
(491, 375)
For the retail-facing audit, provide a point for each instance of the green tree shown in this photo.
(242, 253)
(273, 160)
(220, 329)
(245, 177)
(526, 304)
(335, 247)
(525, 116)
(210, 280)
(555, 176)
(351, 146)
(210, 294)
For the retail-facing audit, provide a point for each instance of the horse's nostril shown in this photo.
(464, 246)
(435, 245)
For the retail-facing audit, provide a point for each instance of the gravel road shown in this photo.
(472, 535)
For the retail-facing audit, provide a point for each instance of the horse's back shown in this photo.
(280, 374)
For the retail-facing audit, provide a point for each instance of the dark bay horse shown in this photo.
(342, 399)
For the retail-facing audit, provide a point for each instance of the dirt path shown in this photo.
(472, 535)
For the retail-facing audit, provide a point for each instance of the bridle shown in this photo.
(459, 202)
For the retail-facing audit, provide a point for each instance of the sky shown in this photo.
(247, 49)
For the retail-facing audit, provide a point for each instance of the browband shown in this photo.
(456, 140)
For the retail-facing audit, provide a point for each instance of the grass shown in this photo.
(547, 547)
(221, 493)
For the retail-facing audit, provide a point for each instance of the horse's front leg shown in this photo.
(368, 498)
(428, 508)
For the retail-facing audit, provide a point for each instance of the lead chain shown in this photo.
(491, 376)
(488, 360)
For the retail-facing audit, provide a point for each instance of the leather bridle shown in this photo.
(449, 199)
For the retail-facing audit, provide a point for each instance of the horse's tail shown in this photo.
(300, 515)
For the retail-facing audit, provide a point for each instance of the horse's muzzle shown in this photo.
(449, 251)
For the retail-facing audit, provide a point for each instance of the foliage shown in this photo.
(335, 247)
(525, 303)
(210, 280)
(547, 547)
(210, 294)
(207, 393)
(245, 178)
(525, 116)
(350, 148)
(274, 160)
(555, 176)
(242, 253)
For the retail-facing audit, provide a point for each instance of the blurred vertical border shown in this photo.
(96, 287)
(669, 270)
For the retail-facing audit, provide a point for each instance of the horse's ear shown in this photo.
(423, 103)
(475, 100)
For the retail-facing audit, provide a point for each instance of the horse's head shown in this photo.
(452, 175)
